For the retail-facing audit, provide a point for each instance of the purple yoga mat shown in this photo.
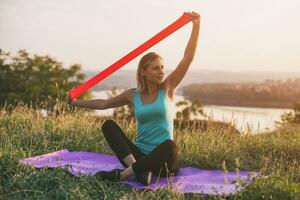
(188, 179)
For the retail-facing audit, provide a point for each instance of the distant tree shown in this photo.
(36, 80)
(292, 117)
(188, 109)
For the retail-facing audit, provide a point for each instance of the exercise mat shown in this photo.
(187, 180)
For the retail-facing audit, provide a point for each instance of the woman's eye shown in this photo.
(158, 67)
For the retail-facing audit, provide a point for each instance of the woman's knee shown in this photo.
(170, 148)
(107, 125)
(170, 144)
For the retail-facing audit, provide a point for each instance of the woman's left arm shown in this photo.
(172, 81)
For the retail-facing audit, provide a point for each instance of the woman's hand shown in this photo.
(69, 99)
(197, 19)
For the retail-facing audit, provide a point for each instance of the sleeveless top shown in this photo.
(154, 121)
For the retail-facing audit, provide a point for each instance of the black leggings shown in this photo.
(162, 160)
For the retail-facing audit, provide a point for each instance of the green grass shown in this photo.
(24, 133)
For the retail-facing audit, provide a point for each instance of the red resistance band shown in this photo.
(184, 19)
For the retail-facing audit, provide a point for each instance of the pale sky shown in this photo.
(236, 35)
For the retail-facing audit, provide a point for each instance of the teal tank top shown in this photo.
(154, 121)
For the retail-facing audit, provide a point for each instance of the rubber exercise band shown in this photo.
(184, 19)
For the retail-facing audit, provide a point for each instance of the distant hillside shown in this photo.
(272, 94)
(127, 78)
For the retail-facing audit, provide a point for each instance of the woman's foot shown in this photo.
(113, 175)
(144, 177)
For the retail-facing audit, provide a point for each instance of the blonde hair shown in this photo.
(143, 64)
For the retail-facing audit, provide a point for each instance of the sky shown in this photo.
(235, 35)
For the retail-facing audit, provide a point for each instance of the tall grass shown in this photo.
(25, 132)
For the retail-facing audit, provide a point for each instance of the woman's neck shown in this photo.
(151, 89)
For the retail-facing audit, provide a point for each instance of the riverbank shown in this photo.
(249, 104)
(275, 155)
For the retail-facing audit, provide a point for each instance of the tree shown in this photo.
(292, 117)
(194, 108)
(38, 81)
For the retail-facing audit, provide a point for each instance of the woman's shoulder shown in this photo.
(130, 93)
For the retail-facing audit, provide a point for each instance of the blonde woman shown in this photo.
(154, 151)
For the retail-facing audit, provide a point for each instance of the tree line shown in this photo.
(270, 93)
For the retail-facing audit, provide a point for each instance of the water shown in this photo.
(245, 119)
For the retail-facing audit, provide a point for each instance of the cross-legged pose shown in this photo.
(154, 151)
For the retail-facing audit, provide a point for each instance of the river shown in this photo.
(245, 119)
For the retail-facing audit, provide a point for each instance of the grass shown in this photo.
(25, 133)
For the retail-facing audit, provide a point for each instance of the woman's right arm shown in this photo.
(102, 104)
(98, 104)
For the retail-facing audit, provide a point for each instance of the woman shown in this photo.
(154, 150)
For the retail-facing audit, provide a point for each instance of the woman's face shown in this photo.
(154, 72)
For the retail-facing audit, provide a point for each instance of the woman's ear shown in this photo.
(143, 72)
